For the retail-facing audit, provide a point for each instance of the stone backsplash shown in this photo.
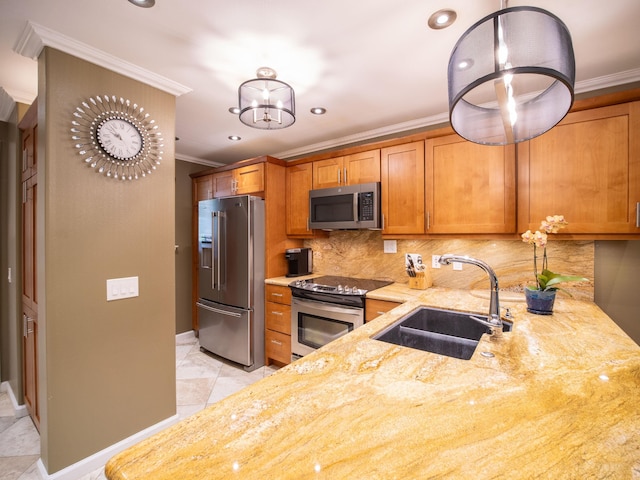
(361, 254)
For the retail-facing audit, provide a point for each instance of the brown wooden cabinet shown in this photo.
(239, 181)
(403, 193)
(362, 167)
(277, 324)
(298, 182)
(470, 188)
(202, 188)
(28, 131)
(374, 308)
(587, 168)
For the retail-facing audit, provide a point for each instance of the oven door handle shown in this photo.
(325, 306)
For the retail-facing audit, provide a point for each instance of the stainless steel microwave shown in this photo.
(346, 208)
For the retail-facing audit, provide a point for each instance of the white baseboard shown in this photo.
(99, 459)
(19, 410)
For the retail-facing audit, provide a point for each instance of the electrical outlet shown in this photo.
(435, 261)
(457, 265)
(390, 246)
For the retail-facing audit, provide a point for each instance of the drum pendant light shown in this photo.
(265, 102)
(511, 76)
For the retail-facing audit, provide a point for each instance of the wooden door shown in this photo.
(363, 167)
(223, 184)
(249, 179)
(470, 188)
(298, 182)
(29, 287)
(328, 173)
(202, 188)
(403, 198)
(587, 168)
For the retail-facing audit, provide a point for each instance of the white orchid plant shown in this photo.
(547, 280)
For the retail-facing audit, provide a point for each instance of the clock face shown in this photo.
(119, 138)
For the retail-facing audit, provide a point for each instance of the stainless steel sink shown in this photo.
(445, 332)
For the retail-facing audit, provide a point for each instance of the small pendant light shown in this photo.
(265, 102)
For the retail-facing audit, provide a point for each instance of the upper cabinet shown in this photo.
(239, 181)
(363, 167)
(403, 195)
(298, 182)
(587, 168)
(470, 188)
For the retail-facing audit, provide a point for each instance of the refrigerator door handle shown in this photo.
(217, 247)
(216, 310)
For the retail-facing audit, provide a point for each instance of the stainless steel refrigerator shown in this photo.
(231, 278)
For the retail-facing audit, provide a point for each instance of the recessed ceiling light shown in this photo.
(234, 138)
(143, 3)
(442, 19)
(318, 110)
(234, 110)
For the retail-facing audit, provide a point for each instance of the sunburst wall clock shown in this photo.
(116, 138)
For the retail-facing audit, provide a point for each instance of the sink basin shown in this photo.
(445, 332)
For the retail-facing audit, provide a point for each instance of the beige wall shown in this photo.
(184, 249)
(107, 369)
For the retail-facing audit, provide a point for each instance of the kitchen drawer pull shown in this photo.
(276, 313)
(277, 294)
(276, 342)
(381, 313)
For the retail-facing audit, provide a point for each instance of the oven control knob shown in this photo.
(355, 290)
(340, 289)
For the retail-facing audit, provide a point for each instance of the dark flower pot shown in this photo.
(540, 302)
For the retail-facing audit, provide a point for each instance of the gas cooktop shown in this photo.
(339, 285)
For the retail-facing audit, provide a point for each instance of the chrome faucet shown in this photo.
(493, 321)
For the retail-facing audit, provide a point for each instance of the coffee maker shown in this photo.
(299, 261)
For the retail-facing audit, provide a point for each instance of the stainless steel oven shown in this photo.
(326, 308)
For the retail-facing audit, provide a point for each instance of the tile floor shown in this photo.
(201, 379)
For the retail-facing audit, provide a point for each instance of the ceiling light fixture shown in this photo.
(143, 3)
(265, 102)
(234, 138)
(442, 19)
(520, 82)
(318, 110)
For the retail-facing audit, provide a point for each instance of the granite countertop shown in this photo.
(560, 398)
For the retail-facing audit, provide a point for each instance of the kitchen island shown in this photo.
(559, 398)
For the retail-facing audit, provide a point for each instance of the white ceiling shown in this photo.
(374, 65)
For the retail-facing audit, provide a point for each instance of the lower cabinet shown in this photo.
(277, 335)
(375, 308)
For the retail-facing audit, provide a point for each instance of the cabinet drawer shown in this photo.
(278, 294)
(375, 308)
(277, 346)
(278, 317)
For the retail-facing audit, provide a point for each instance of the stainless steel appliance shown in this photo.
(325, 308)
(231, 278)
(299, 261)
(346, 208)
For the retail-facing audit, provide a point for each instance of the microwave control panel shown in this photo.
(366, 207)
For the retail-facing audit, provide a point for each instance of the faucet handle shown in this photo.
(507, 314)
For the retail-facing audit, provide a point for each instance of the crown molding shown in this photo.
(200, 161)
(598, 83)
(7, 104)
(35, 37)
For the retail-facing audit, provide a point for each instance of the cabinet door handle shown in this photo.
(339, 172)
(638, 215)
(276, 313)
(428, 220)
(276, 342)
(345, 176)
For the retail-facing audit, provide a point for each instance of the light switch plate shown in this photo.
(119, 288)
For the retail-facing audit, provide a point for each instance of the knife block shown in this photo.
(421, 281)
